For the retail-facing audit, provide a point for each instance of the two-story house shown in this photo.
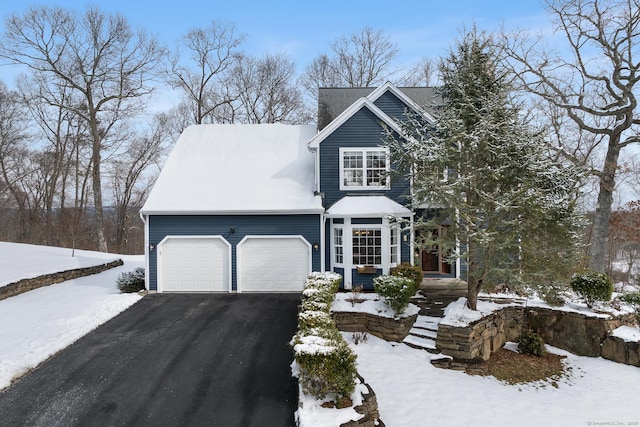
(255, 208)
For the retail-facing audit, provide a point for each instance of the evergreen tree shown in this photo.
(509, 206)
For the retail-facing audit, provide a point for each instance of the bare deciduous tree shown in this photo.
(203, 76)
(596, 87)
(424, 73)
(361, 59)
(267, 91)
(13, 158)
(132, 179)
(107, 65)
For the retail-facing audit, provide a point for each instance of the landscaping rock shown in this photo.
(621, 351)
(369, 409)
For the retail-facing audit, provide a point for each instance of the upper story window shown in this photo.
(364, 168)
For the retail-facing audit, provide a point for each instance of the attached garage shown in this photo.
(273, 263)
(194, 264)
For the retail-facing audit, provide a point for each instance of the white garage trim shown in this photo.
(294, 270)
(226, 281)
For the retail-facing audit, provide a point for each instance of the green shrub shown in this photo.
(552, 294)
(326, 364)
(310, 321)
(131, 281)
(531, 343)
(395, 291)
(592, 286)
(633, 299)
(409, 271)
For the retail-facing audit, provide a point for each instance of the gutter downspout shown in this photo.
(323, 228)
(146, 250)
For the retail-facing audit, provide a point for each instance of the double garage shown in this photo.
(208, 264)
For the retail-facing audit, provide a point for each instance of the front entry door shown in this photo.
(431, 257)
(430, 261)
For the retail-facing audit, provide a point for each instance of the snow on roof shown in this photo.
(364, 206)
(233, 168)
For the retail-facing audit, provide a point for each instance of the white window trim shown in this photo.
(333, 245)
(384, 237)
(364, 150)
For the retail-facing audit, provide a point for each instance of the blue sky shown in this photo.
(303, 29)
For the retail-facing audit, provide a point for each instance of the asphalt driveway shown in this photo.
(170, 360)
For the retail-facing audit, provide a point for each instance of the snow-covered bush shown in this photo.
(310, 321)
(592, 286)
(326, 365)
(395, 291)
(633, 299)
(131, 281)
(531, 343)
(409, 271)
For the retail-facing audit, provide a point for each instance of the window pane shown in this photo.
(366, 246)
(352, 178)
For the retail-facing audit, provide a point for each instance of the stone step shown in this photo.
(427, 322)
(421, 343)
(423, 333)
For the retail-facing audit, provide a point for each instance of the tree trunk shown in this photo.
(97, 199)
(602, 218)
(473, 289)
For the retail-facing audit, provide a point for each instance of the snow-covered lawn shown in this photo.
(39, 323)
(22, 261)
(411, 392)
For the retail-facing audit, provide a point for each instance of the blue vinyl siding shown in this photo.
(393, 106)
(161, 226)
(363, 129)
(366, 280)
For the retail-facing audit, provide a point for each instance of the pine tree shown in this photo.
(510, 207)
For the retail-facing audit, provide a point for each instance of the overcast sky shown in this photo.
(305, 28)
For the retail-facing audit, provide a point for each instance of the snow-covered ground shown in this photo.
(411, 392)
(22, 261)
(39, 323)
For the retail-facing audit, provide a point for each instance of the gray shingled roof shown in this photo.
(334, 100)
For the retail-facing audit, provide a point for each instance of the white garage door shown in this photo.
(273, 264)
(194, 264)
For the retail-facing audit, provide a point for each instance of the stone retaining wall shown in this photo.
(382, 327)
(481, 338)
(621, 351)
(578, 333)
(26, 285)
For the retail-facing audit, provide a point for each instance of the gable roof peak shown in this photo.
(363, 102)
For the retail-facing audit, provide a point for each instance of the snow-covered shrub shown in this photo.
(395, 291)
(553, 294)
(592, 286)
(326, 364)
(531, 343)
(409, 271)
(310, 321)
(131, 281)
(633, 299)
